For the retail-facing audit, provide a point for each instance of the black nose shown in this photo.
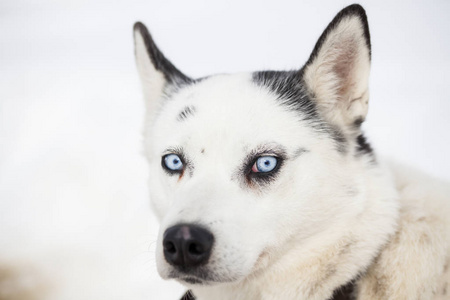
(187, 245)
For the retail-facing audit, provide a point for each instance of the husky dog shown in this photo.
(266, 188)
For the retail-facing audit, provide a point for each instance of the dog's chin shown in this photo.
(208, 275)
(192, 279)
(205, 277)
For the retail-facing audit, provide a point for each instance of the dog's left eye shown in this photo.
(264, 164)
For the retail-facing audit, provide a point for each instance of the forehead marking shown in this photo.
(299, 152)
(186, 112)
(289, 89)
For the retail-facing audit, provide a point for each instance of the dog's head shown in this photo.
(244, 165)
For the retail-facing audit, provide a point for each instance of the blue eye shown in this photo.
(173, 162)
(265, 164)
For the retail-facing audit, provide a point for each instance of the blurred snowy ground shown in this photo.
(73, 196)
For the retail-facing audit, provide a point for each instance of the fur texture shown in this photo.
(330, 215)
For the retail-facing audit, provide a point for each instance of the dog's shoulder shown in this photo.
(415, 263)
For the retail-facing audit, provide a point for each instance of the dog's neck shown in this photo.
(316, 268)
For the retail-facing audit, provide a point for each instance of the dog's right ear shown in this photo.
(156, 72)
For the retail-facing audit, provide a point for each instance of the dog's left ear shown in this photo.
(337, 72)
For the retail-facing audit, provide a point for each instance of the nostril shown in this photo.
(195, 249)
(170, 247)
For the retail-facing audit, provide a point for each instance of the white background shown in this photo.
(72, 177)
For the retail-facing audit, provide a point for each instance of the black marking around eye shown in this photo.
(261, 179)
(187, 163)
(170, 171)
(186, 112)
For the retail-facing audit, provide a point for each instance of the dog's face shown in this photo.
(243, 166)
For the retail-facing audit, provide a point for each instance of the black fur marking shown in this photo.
(345, 292)
(339, 140)
(188, 296)
(287, 85)
(364, 148)
(185, 113)
(352, 10)
(358, 122)
(171, 73)
(299, 152)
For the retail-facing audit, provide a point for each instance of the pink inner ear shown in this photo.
(344, 64)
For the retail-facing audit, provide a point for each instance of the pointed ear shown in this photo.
(337, 72)
(156, 72)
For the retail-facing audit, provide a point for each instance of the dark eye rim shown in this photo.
(170, 171)
(263, 177)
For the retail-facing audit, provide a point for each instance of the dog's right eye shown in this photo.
(172, 163)
(265, 164)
